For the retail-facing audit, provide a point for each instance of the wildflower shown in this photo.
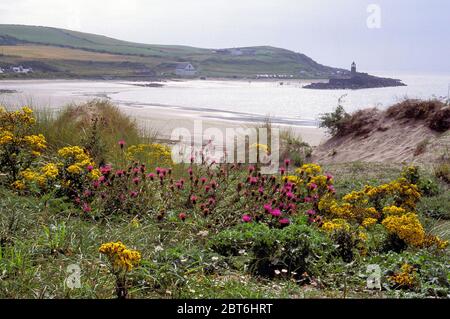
(86, 208)
(182, 216)
(287, 162)
(121, 143)
(267, 208)
(194, 199)
(136, 180)
(367, 222)
(275, 213)
(406, 278)
(90, 168)
(121, 258)
(246, 218)
(151, 176)
(134, 194)
(284, 221)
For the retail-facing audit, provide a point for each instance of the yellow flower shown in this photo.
(6, 137)
(407, 227)
(406, 278)
(121, 258)
(19, 185)
(37, 142)
(336, 224)
(369, 221)
(50, 170)
(74, 169)
(393, 210)
(309, 169)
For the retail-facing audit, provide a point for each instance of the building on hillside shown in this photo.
(21, 69)
(185, 69)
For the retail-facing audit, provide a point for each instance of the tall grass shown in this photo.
(97, 125)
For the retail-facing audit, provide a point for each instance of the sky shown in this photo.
(380, 35)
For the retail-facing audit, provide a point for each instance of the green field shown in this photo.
(63, 58)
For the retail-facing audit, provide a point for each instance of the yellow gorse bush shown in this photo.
(309, 169)
(150, 153)
(336, 224)
(76, 160)
(406, 278)
(19, 147)
(121, 258)
(407, 227)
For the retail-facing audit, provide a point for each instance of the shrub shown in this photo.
(19, 146)
(334, 121)
(294, 249)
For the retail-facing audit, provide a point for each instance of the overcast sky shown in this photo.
(406, 35)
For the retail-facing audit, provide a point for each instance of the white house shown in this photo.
(185, 69)
(1, 71)
(21, 69)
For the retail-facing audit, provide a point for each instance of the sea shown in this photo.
(283, 101)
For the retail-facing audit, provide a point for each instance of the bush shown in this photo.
(436, 207)
(292, 250)
(334, 121)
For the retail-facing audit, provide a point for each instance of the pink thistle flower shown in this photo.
(86, 208)
(101, 179)
(311, 212)
(307, 199)
(267, 208)
(329, 176)
(121, 143)
(182, 216)
(284, 221)
(95, 184)
(133, 194)
(312, 186)
(331, 189)
(90, 168)
(282, 170)
(190, 171)
(136, 180)
(287, 162)
(194, 199)
(246, 218)
(275, 212)
(203, 180)
(105, 169)
(151, 176)
(251, 169)
(120, 173)
(290, 195)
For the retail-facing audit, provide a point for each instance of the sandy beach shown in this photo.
(163, 122)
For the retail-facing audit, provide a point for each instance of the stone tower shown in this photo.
(353, 69)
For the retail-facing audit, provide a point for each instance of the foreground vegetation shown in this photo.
(85, 188)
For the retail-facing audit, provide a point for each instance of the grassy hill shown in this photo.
(65, 53)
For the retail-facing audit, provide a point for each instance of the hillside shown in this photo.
(65, 53)
(410, 131)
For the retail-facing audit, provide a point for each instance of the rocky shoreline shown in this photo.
(355, 82)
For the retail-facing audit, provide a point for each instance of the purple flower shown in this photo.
(275, 212)
(246, 218)
(284, 221)
(268, 208)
